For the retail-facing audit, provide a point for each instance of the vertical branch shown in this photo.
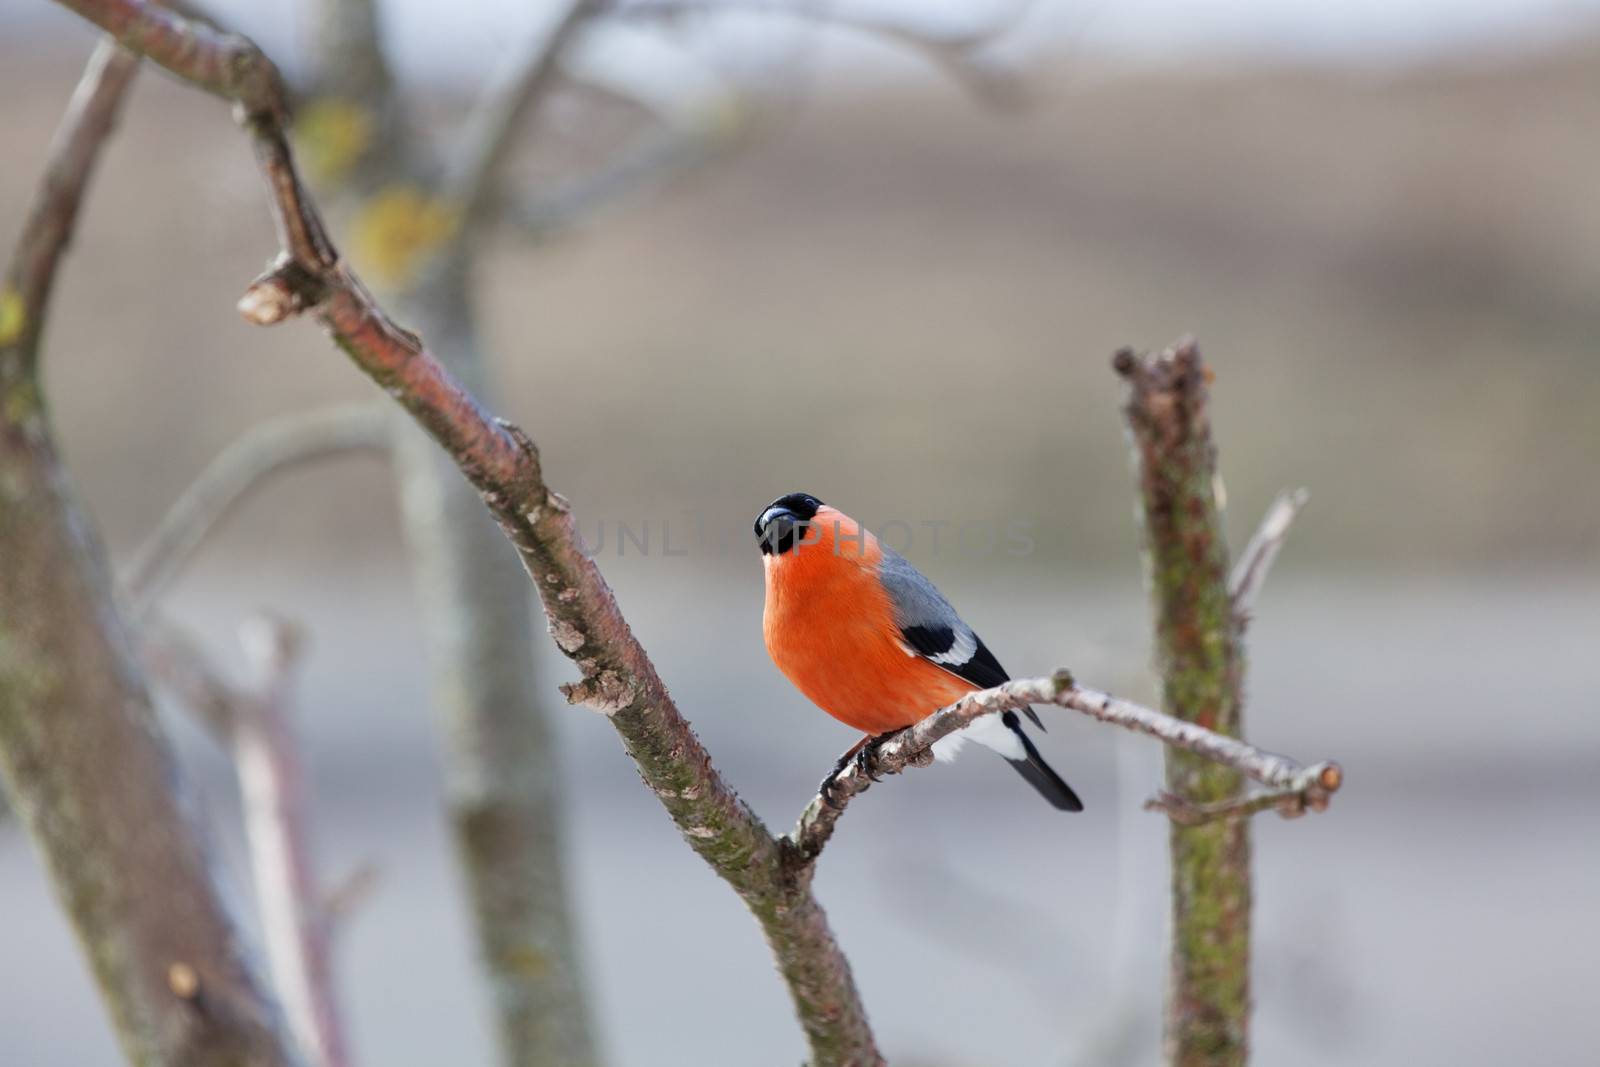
(253, 723)
(502, 774)
(272, 783)
(354, 128)
(1200, 660)
(81, 750)
(502, 779)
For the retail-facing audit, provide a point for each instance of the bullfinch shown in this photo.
(871, 642)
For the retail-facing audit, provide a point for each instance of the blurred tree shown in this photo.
(180, 993)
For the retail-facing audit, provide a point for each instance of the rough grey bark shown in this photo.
(502, 774)
(82, 754)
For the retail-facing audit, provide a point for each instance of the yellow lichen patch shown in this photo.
(331, 135)
(396, 230)
(13, 315)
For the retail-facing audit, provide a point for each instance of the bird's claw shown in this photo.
(863, 756)
(867, 757)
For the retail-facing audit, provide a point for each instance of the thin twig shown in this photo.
(262, 452)
(349, 893)
(492, 128)
(1250, 573)
(911, 747)
(53, 215)
(655, 161)
(1317, 782)
(958, 54)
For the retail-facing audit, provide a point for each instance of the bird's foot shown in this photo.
(861, 754)
(828, 790)
(867, 755)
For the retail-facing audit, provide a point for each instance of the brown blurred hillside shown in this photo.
(906, 304)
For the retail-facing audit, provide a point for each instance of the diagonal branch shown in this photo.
(1250, 573)
(911, 747)
(657, 159)
(493, 127)
(502, 463)
(264, 451)
(25, 293)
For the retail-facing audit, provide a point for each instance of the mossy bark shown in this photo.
(1200, 660)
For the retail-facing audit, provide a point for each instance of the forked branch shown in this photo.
(503, 464)
(1291, 781)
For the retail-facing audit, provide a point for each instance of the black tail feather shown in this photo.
(1039, 774)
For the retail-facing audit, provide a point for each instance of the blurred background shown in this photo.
(1380, 221)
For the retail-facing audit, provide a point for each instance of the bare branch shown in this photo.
(83, 755)
(349, 894)
(177, 662)
(471, 183)
(51, 218)
(959, 55)
(911, 747)
(1310, 792)
(272, 784)
(503, 464)
(268, 449)
(1250, 573)
(655, 161)
(253, 723)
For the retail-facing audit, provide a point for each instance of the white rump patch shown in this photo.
(987, 730)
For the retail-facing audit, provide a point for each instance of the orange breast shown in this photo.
(830, 629)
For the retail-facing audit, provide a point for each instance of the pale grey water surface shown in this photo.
(1446, 911)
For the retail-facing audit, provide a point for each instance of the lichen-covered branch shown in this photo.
(1312, 785)
(1201, 663)
(82, 753)
(354, 125)
(618, 677)
(262, 452)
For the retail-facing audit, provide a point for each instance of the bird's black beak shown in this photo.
(778, 529)
(784, 523)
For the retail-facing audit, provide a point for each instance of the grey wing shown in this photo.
(930, 627)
